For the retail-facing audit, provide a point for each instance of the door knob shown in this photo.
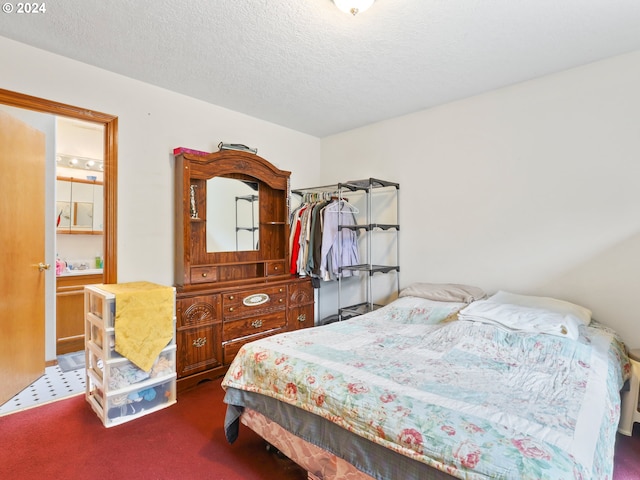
(43, 266)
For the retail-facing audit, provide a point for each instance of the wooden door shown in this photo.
(22, 182)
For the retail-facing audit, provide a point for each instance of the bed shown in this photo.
(438, 384)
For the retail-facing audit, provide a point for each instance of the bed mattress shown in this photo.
(465, 398)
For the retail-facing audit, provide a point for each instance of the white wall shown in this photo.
(532, 188)
(151, 122)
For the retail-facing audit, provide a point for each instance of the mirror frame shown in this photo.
(110, 123)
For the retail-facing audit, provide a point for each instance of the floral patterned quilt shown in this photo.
(466, 398)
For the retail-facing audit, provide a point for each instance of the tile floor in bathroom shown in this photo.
(53, 385)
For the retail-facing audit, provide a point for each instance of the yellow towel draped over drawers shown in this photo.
(144, 320)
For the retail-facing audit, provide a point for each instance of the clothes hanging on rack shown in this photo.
(294, 239)
(333, 254)
(316, 247)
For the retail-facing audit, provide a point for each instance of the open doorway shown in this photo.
(46, 262)
(79, 227)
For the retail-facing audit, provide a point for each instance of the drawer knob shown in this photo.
(200, 342)
(281, 290)
(276, 267)
(204, 274)
(302, 317)
(281, 300)
(256, 323)
(231, 309)
(231, 297)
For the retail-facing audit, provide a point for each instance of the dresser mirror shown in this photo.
(233, 211)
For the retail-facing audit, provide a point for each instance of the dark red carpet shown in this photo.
(627, 457)
(66, 440)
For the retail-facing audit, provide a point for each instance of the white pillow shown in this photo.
(444, 292)
(522, 319)
(581, 314)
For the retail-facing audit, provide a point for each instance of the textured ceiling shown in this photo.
(306, 65)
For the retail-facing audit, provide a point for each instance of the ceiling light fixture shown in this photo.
(353, 6)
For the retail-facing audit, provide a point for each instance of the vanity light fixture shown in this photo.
(81, 163)
(353, 6)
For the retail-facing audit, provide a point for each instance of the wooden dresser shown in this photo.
(231, 260)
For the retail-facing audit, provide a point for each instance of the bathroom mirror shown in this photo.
(63, 215)
(79, 206)
(83, 215)
(232, 215)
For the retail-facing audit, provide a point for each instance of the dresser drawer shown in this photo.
(231, 349)
(253, 302)
(204, 274)
(275, 268)
(252, 325)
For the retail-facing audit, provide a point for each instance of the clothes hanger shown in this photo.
(339, 203)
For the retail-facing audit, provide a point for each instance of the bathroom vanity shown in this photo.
(232, 260)
(70, 309)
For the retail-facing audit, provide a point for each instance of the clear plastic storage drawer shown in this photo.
(125, 405)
